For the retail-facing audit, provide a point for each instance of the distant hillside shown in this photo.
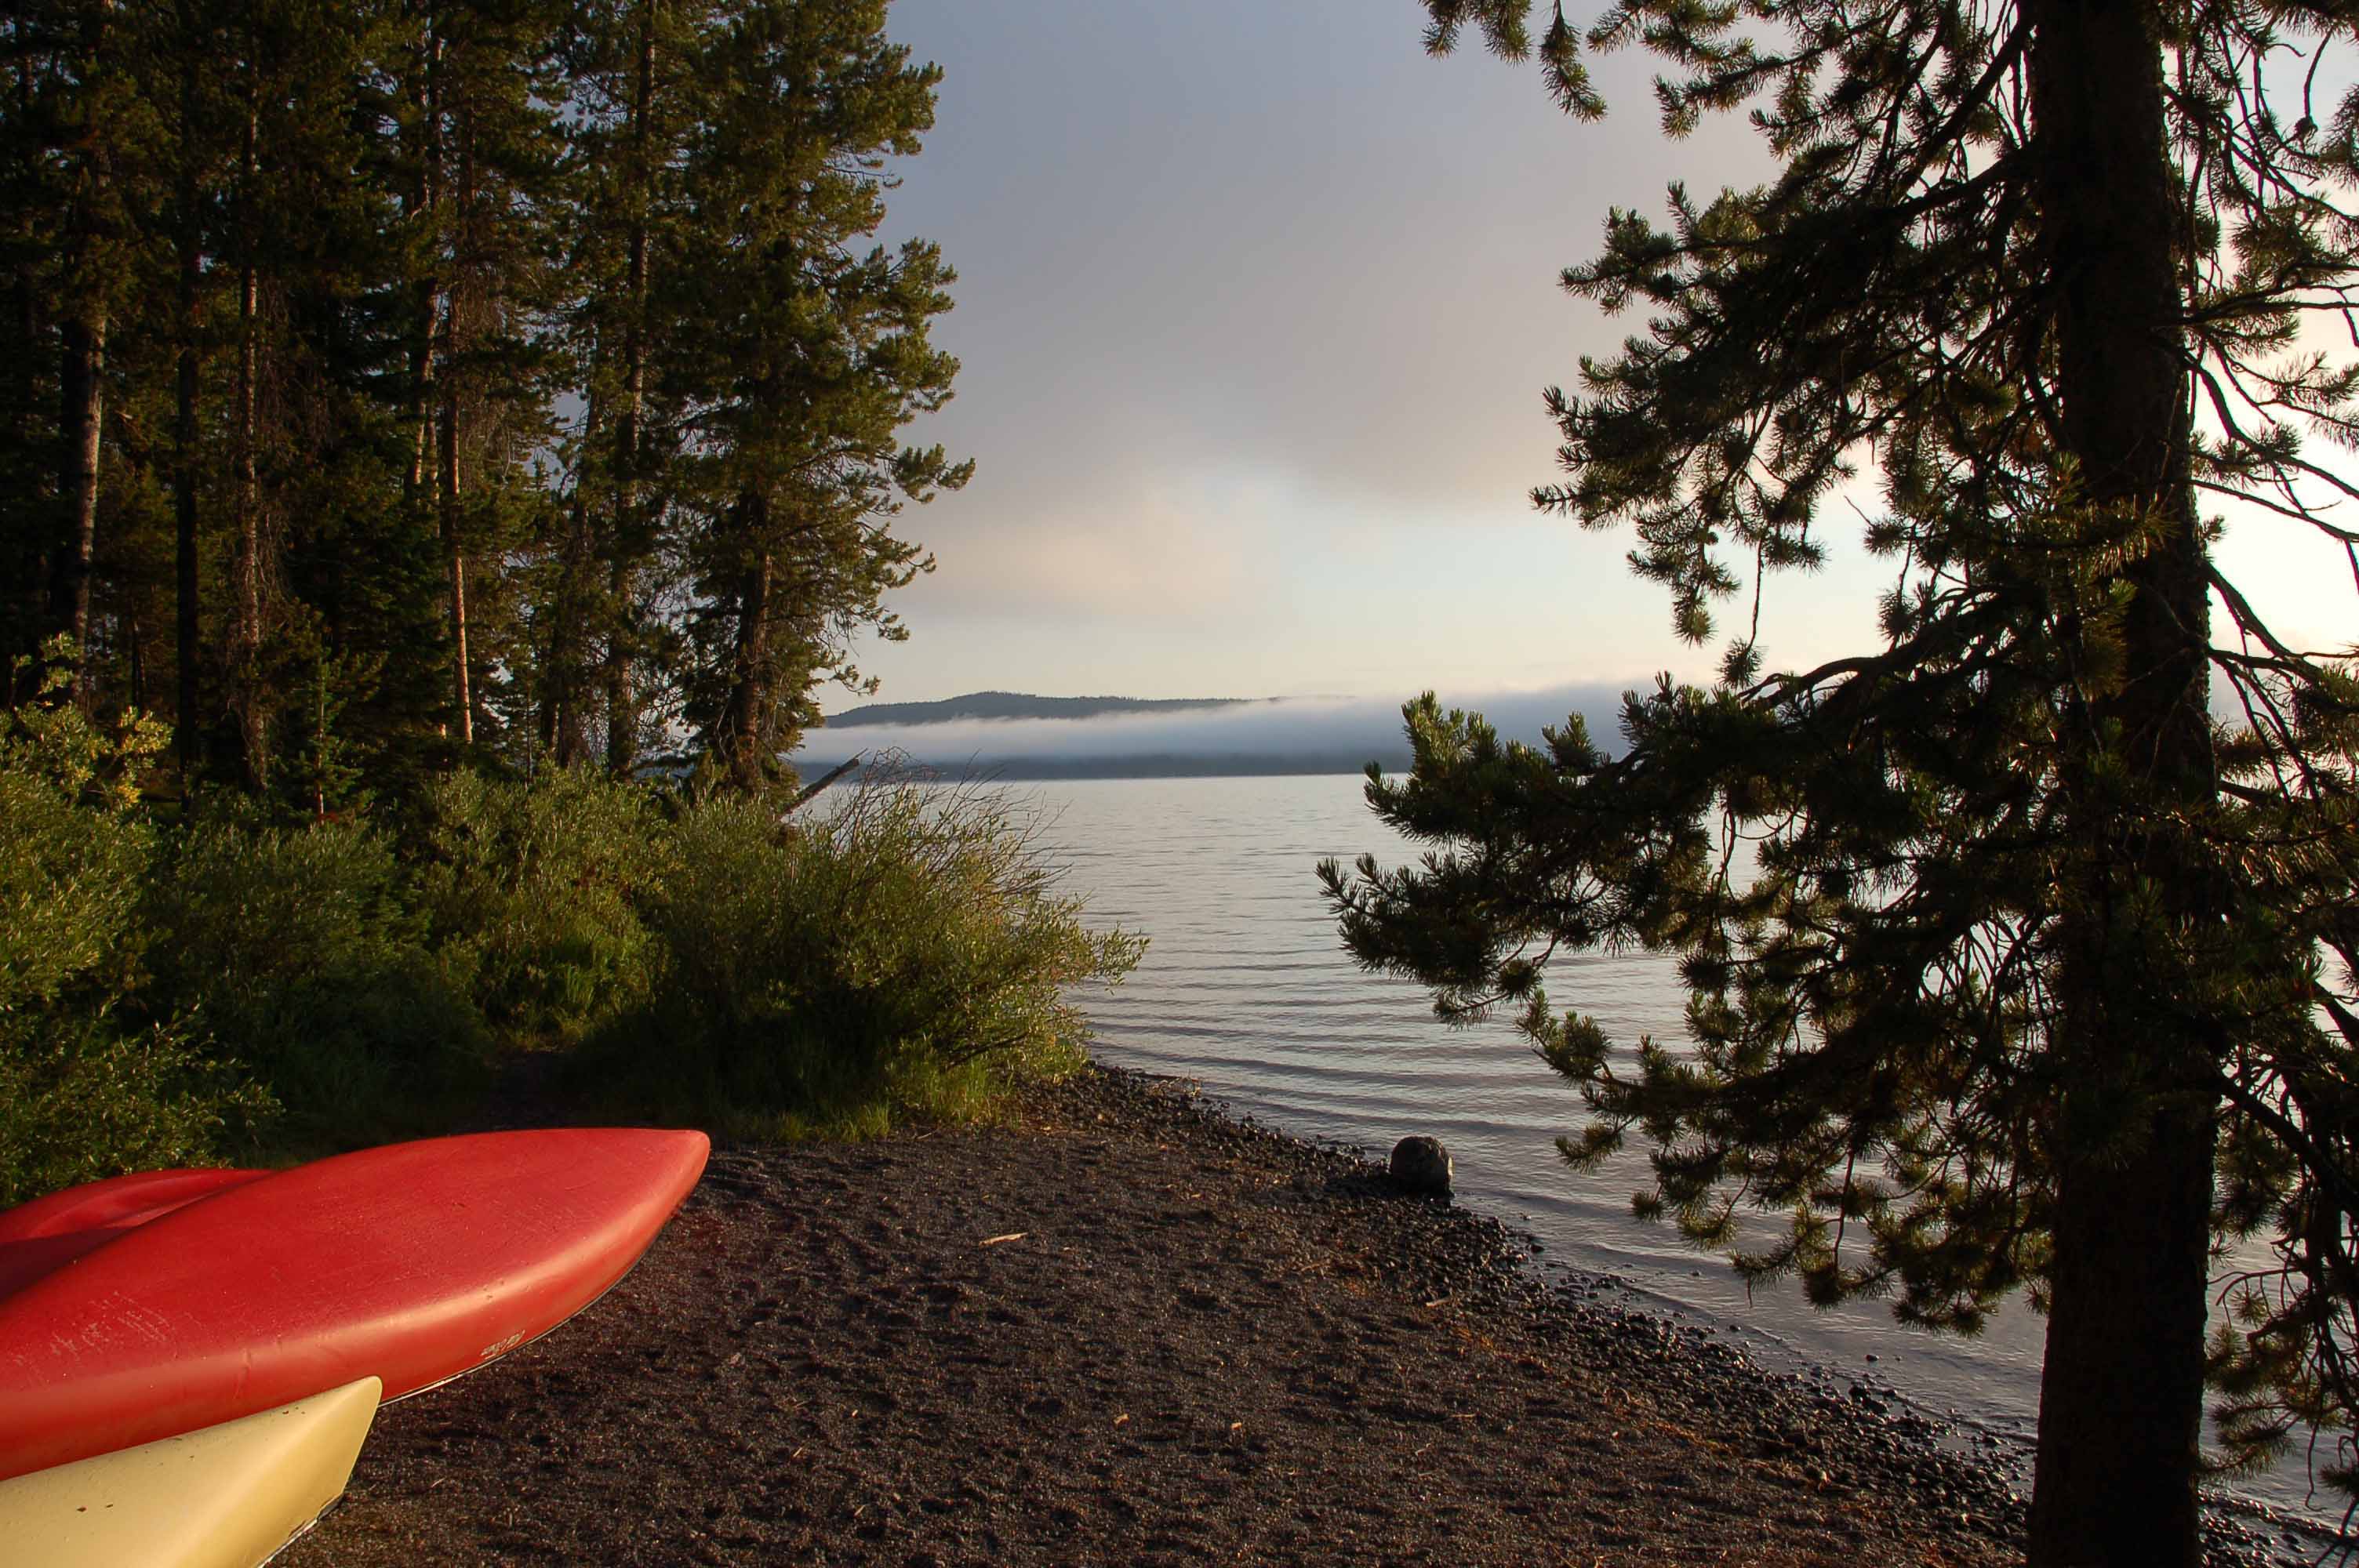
(1017, 705)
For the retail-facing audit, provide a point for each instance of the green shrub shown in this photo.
(80, 1099)
(296, 949)
(529, 894)
(70, 878)
(84, 1092)
(904, 953)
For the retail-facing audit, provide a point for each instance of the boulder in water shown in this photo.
(1422, 1165)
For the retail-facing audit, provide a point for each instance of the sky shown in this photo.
(1255, 306)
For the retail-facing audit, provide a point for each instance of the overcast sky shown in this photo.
(1255, 307)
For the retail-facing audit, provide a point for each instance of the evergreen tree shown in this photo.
(79, 142)
(2039, 976)
(296, 293)
(628, 64)
(796, 361)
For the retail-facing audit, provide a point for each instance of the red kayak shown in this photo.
(48, 1233)
(411, 1263)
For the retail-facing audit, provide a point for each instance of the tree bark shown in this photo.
(746, 719)
(2121, 1393)
(426, 301)
(79, 417)
(186, 732)
(460, 198)
(251, 700)
(253, 720)
(622, 704)
(455, 559)
(563, 732)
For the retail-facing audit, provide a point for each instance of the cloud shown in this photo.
(1168, 556)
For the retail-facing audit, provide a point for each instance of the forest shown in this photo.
(509, 383)
(445, 448)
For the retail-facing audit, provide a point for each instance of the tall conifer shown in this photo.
(2044, 977)
(292, 290)
(797, 359)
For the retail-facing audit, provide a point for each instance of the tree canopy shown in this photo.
(2020, 947)
(505, 379)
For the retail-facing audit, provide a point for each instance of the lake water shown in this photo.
(1246, 989)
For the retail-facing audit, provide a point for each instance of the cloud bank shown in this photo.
(1285, 735)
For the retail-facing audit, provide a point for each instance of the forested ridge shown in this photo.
(517, 381)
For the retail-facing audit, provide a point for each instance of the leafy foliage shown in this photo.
(86, 1091)
(905, 950)
(531, 895)
(299, 950)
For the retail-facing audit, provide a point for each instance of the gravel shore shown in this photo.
(1122, 1327)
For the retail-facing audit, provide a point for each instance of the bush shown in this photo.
(529, 894)
(296, 949)
(83, 1093)
(905, 953)
(82, 1099)
(70, 878)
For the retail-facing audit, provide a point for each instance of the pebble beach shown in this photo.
(1121, 1327)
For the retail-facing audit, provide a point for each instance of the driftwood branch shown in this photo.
(833, 773)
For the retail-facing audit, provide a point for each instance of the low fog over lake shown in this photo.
(1300, 734)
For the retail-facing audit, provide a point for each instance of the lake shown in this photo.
(1246, 989)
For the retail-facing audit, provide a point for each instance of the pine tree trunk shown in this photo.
(460, 197)
(426, 301)
(622, 704)
(455, 561)
(2121, 1395)
(28, 601)
(253, 724)
(186, 731)
(745, 720)
(187, 728)
(79, 418)
(563, 732)
(249, 699)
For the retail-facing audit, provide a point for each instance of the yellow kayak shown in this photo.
(223, 1497)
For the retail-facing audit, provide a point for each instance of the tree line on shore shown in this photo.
(515, 380)
(418, 418)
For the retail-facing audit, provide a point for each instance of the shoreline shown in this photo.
(1127, 1326)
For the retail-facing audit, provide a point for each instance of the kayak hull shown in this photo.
(48, 1233)
(227, 1497)
(412, 1264)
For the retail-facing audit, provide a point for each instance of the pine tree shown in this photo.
(486, 176)
(796, 359)
(79, 144)
(627, 62)
(292, 292)
(2041, 976)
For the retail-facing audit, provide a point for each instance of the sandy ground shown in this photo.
(1125, 1329)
